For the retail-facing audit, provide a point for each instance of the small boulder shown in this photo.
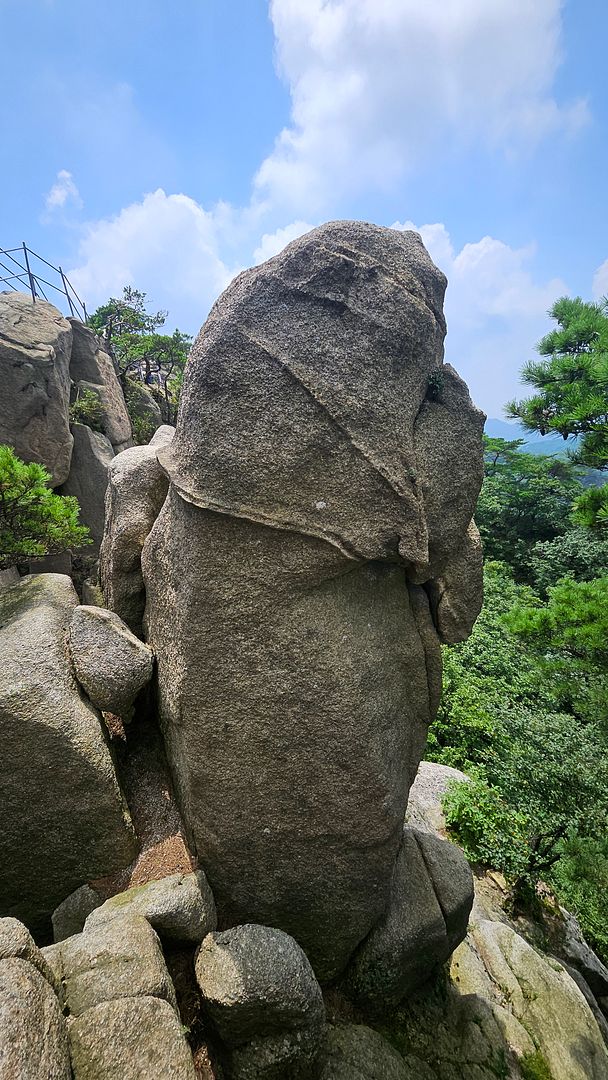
(291, 1055)
(33, 1037)
(356, 1052)
(71, 914)
(110, 663)
(121, 958)
(16, 942)
(130, 1039)
(179, 907)
(257, 981)
(427, 917)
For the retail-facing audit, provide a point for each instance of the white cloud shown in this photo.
(600, 281)
(272, 243)
(376, 87)
(166, 245)
(63, 191)
(496, 311)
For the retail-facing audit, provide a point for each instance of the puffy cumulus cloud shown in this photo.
(62, 192)
(167, 245)
(495, 308)
(376, 86)
(600, 281)
(272, 243)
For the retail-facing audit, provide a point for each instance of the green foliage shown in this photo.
(87, 409)
(579, 554)
(581, 880)
(484, 676)
(525, 499)
(142, 428)
(33, 520)
(591, 508)
(534, 1067)
(571, 382)
(524, 713)
(570, 637)
(545, 785)
(139, 350)
(488, 829)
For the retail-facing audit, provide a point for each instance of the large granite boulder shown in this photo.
(35, 344)
(88, 479)
(130, 1039)
(426, 918)
(323, 476)
(120, 958)
(111, 664)
(137, 489)
(33, 1036)
(91, 368)
(179, 907)
(64, 820)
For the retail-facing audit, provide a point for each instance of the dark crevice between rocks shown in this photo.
(180, 964)
(144, 778)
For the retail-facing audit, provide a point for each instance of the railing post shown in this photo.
(29, 274)
(67, 295)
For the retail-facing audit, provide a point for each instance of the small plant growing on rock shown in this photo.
(87, 409)
(33, 520)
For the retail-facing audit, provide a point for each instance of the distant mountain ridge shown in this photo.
(535, 444)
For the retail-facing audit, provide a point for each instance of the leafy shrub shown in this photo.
(143, 429)
(87, 409)
(33, 520)
(488, 830)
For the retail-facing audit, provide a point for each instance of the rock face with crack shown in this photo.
(314, 548)
(35, 345)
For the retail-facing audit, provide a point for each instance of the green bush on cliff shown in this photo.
(87, 409)
(33, 520)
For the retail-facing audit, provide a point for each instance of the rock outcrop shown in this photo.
(91, 458)
(323, 475)
(427, 917)
(91, 368)
(64, 820)
(35, 346)
(137, 489)
(121, 1019)
(33, 1036)
(130, 1039)
(501, 1008)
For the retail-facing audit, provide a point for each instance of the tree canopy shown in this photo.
(139, 350)
(33, 520)
(571, 380)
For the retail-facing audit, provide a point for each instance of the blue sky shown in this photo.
(170, 145)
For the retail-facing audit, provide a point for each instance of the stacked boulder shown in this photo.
(65, 820)
(48, 362)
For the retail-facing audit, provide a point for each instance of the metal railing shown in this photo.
(23, 271)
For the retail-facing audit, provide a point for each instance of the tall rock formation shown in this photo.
(314, 548)
(35, 347)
